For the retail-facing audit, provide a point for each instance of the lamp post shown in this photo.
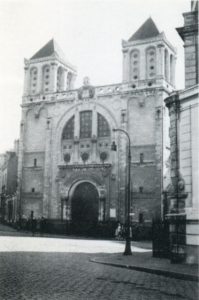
(127, 250)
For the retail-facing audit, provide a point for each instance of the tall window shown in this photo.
(85, 124)
(102, 126)
(69, 79)
(59, 79)
(68, 132)
(46, 78)
(151, 62)
(35, 162)
(141, 158)
(166, 64)
(33, 80)
(135, 64)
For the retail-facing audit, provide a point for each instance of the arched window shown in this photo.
(60, 79)
(46, 78)
(85, 124)
(135, 64)
(151, 62)
(103, 129)
(166, 64)
(33, 80)
(69, 79)
(68, 132)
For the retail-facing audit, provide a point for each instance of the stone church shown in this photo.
(66, 169)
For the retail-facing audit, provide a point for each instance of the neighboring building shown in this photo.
(183, 191)
(66, 168)
(8, 184)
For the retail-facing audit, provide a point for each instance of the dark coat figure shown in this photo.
(42, 225)
(33, 225)
(118, 232)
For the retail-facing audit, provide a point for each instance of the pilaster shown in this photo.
(47, 171)
(53, 86)
(126, 67)
(26, 80)
(20, 168)
(176, 189)
(40, 80)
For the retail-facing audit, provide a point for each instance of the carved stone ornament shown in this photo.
(86, 91)
(176, 193)
(63, 189)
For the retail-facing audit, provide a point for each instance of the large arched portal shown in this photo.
(85, 205)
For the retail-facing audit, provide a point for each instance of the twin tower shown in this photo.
(147, 55)
(66, 169)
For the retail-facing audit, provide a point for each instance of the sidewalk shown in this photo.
(144, 262)
(140, 261)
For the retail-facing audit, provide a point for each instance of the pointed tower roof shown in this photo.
(49, 49)
(147, 30)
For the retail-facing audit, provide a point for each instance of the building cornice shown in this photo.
(190, 92)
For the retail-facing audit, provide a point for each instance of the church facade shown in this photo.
(66, 169)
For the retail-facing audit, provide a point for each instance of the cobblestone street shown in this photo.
(68, 274)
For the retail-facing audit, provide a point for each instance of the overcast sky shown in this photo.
(89, 33)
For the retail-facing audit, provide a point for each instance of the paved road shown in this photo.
(39, 274)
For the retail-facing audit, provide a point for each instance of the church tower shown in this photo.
(149, 71)
(47, 72)
(47, 76)
(148, 57)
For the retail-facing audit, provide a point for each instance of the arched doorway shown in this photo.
(84, 206)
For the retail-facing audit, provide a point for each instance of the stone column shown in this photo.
(47, 171)
(53, 76)
(76, 133)
(94, 135)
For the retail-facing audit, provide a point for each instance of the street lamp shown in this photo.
(127, 250)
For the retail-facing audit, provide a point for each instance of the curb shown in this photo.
(165, 273)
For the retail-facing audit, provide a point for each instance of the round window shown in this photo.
(67, 157)
(85, 156)
(103, 156)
